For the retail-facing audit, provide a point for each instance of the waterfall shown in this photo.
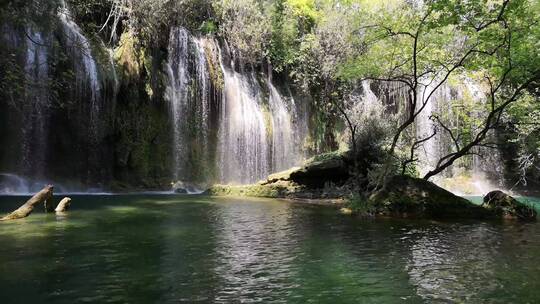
(475, 174)
(460, 105)
(13, 184)
(258, 129)
(244, 147)
(45, 104)
(260, 132)
(285, 150)
(90, 93)
(189, 93)
(36, 112)
(177, 93)
(430, 151)
(86, 71)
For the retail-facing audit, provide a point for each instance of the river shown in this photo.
(170, 249)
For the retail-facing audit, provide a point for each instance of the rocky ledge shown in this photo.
(404, 196)
(505, 206)
(326, 178)
(321, 177)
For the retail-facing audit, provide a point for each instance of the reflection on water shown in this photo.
(441, 268)
(255, 247)
(170, 249)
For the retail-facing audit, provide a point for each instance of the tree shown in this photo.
(421, 46)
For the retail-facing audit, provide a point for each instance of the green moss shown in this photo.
(142, 145)
(407, 196)
(267, 115)
(270, 190)
(208, 27)
(359, 204)
(214, 67)
(127, 56)
(338, 154)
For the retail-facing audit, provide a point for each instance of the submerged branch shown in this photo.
(25, 210)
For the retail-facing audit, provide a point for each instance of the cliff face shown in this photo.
(141, 111)
(141, 114)
(74, 113)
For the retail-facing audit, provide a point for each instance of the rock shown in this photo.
(180, 191)
(184, 188)
(280, 176)
(405, 196)
(64, 205)
(309, 181)
(508, 207)
(274, 190)
(316, 172)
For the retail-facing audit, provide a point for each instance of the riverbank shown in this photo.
(326, 180)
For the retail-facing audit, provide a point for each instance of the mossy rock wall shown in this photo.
(405, 196)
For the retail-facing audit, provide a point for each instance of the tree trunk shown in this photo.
(43, 196)
(63, 205)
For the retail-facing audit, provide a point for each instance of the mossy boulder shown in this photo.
(181, 187)
(508, 207)
(316, 172)
(309, 181)
(405, 196)
(274, 190)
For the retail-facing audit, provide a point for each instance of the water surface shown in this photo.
(170, 249)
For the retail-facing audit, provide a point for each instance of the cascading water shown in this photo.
(285, 150)
(86, 71)
(430, 151)
(451, 104)
(177, 93)
(256, 134)
(244, 147)
(190, 94)
(94, 98)
(36, 107)
(446, 102)
(13, 184)
(256, 138)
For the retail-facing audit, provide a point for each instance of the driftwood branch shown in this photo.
(42, 197)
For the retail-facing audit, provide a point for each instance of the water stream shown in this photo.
(88, 86)
(258, 129)
(170, 249)
(244, 146)
(36, 109)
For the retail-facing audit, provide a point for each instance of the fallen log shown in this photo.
(64, 205)
(42, 197)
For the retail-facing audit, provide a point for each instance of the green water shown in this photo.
(171, 249)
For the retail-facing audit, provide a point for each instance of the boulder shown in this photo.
(316, 172)
(508, 207)
(405, 196)
(184, 188)
(273, 190)
(180, 191)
